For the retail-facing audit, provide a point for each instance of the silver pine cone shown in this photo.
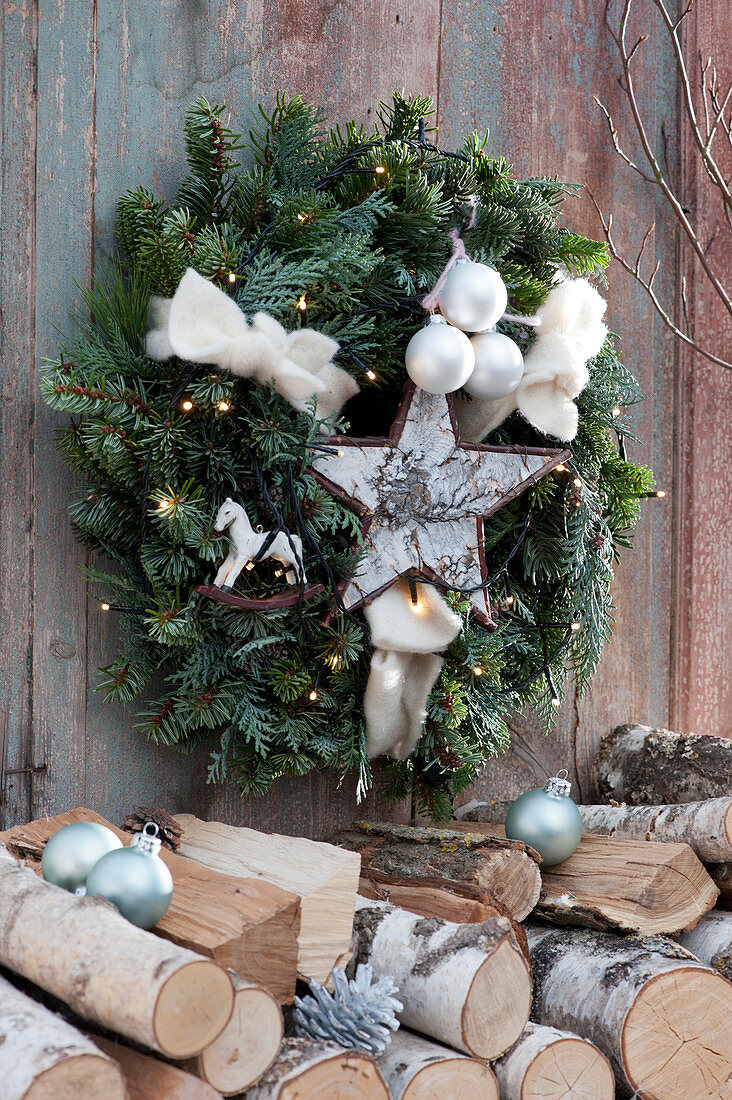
(360, 1014)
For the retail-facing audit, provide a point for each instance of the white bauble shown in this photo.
(499, 366)
(439, 358)
(473, 297)
(72, 852)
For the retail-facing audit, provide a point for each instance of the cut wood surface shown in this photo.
(248, 925)
(324, 877)
(711, 942)
(659, 1015)
(641, 765)
(623, 885)
(247, 1046)
(415, 1068)
(308, 1069)
(548, 1064)
(42, 1057)
(467, 985)
(107, 970)
(150, 1079)
(507, 869)
(435, 897)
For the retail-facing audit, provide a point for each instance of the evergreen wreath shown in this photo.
(351, 227)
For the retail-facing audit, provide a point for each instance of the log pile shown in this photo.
(93, 1007)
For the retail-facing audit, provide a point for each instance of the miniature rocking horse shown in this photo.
(246, 544)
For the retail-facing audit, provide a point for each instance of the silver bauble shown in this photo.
(499, 366)
(548, 820)
(473, 297)
(135, 879)
(439, 358)
(70, 853)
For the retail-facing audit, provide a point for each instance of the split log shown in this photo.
(306, 1068)
(42, 1057)
(644, 766)
(434, 897)
(247, 1046)
(711, 942)
(549, 1064)
(149, 1079)
(417, 1069)
(247, 925)
(324, 877)
(659, 1015)
(107, 970)
(705, 826)
(467, 985)
(507, 869)
(623, 885)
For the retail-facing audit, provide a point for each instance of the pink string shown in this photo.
(458, 253)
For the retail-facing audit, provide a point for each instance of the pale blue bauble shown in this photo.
(473, 296)
(71, 853)
(439, 358)
(136, 881)
(499, 366)
(549, 822)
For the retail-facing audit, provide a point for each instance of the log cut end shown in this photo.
(458, 1078)
(85, 1075)
(305, 1068)
(193, 1008)
(247, 1046)
(676, 1039)
(568, 1069)
(491, 1020)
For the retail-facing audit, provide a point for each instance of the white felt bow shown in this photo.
(404, 666)
(570, 331)
(203, 325)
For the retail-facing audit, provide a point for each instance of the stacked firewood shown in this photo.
(590, 993)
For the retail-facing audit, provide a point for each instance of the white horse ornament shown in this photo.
(246, 542)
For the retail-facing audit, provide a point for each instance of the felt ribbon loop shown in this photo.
(203, 325)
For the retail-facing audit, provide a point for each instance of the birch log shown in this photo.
(623, 885)
(417, 1069)
(42, 1057)
(659, 1015)
(247, 1046)
(644, 766)
(248, 925)
(711, 942)
(107, 970)
(150, 1079)
(467, 985)
(506, 869)
(306, 1068)
(548, 1064)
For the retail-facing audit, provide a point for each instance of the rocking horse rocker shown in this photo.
(249, 545)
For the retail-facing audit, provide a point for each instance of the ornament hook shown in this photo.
(148, 841)
(558, 784)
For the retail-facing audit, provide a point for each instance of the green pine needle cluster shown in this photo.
(360, 245)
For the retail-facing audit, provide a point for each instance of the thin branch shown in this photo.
(616, 143)
(635, 271)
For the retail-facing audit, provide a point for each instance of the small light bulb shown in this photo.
(302, 303)
(575, 627)
(340, 454)
(417, 606)
(477, 671)
(556, 702)
(105, 606)
(509, 600)
(278, 572)
(223, 406)
(616, 412)
(379, 169)
(187, 405)
(577, 481)
(313, 695)
(661, 493)
(577, 503)
(164, 504)
(301, 217)
(371, 375)
(232, 277)
(249, 566)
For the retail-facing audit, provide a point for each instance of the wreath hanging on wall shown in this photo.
(317, 561)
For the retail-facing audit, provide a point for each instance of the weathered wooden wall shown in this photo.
(93, 94)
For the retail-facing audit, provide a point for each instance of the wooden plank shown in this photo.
(18, 46)
(543, 119)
